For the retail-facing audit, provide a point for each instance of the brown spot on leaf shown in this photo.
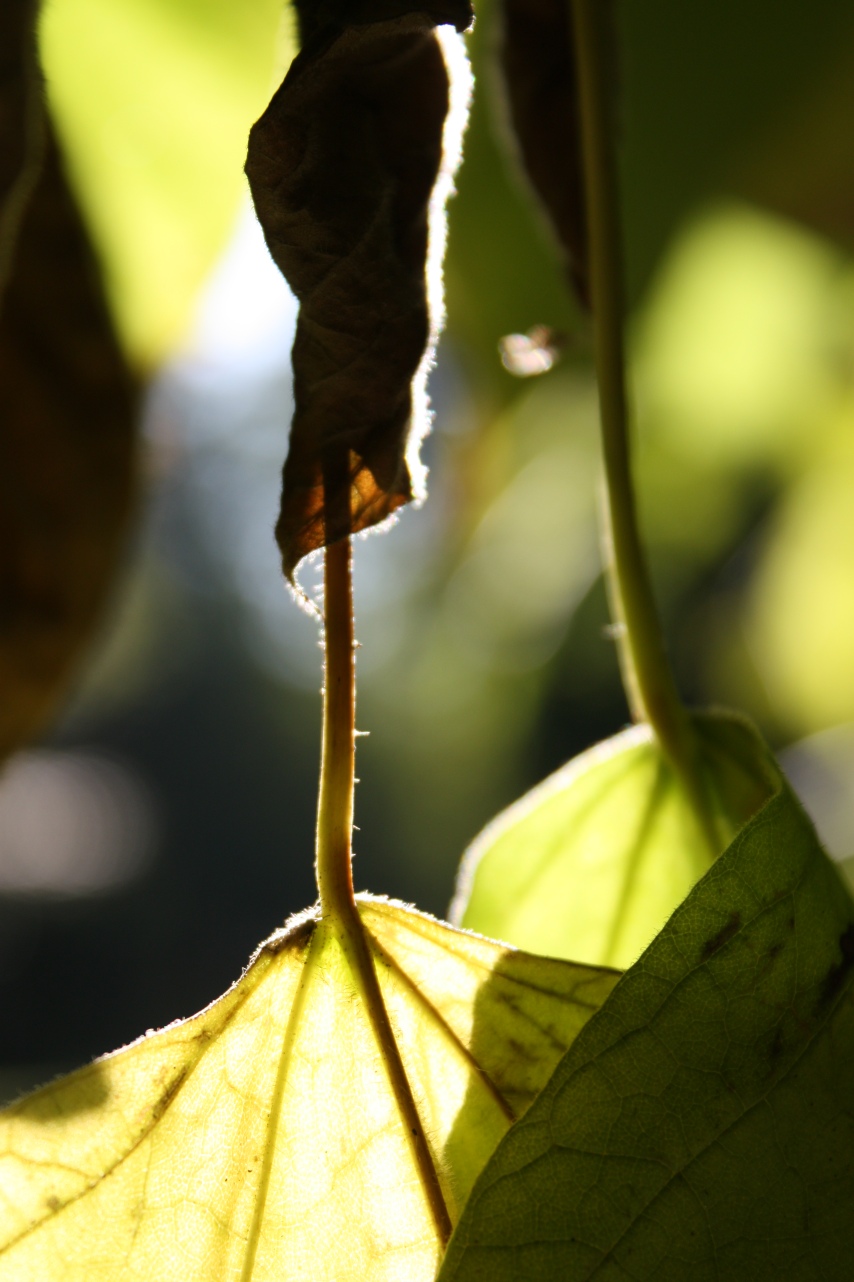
(160, 1107)
(342, 166)
(293, 935)
(723, 936)
(775, 1050)
(837, 975)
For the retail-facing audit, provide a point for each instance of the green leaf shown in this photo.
(261, 1139)
(702, 1126)
(805, 571)
(591, 863)
(846, 867)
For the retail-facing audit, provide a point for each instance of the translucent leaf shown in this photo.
(594, 860)
(261, 1139)
(702, 1125)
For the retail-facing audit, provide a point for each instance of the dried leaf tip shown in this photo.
(350, 168)
(540, 79)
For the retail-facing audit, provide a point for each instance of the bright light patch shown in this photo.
(527, 355)
(71, 824)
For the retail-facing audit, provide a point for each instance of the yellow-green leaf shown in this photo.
(591, 863)
(261, 1139)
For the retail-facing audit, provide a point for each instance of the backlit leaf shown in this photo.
(349, 168)
(702, 1126)
(261, 1138)
(591, 863)
(67, 410)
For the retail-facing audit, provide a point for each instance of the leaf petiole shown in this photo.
(647, 674)
(334, 855)
(338, 758)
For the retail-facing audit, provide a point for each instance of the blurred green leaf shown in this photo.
(799, 614)
(707, 93)
(733, 353)
(702, 1124)
(534, 551)
(153, 101)
(592, 862)
(706, 87)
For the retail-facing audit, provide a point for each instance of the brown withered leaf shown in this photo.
(538, 71)
(342, 167)
(21, 123)
(67, 409)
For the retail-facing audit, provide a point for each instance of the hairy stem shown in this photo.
(334, 857)
(647, 675)
(354, 941)
(338, 759)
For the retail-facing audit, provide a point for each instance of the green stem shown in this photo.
(647, 675)
(334, 856)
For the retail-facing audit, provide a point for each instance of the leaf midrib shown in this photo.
(274, 1115)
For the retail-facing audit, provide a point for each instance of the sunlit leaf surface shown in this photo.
(593, 861)
(702, 1126)
(260, 1138)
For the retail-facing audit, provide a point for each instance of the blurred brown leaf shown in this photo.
(67, 409)
(342, 166)
(539, 76)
